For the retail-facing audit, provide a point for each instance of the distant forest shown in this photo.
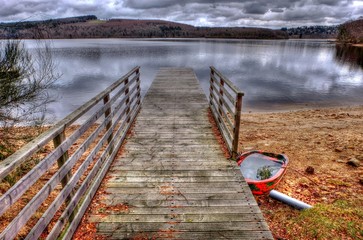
(91, 27)
(312, 32)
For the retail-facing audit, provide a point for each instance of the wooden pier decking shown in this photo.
(173, 176)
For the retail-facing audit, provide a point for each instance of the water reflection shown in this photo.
(351, 55)
(274, 75)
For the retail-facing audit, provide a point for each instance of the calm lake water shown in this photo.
(275, 75)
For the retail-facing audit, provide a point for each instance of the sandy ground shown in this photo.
(325, 139)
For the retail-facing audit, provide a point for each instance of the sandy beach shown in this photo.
(325, 139)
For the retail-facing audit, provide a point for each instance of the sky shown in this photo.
(236, 13)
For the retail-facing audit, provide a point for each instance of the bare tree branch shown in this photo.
(25, 78)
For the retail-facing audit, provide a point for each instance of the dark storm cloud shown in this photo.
(328, 2)
(267, 13)
(255, 8)
(277, 10)
(147, 4)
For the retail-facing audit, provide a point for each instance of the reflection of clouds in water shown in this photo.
(269, 72)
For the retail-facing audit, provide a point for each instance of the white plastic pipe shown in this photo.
(289, 200)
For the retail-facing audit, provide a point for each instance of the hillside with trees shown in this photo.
(91, 27)
(351, 32)
(317, 32)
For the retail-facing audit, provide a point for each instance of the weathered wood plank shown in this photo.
(204, 217)
(173, 203)
(170, 166)
(170, 190)
(115, 184)
(183, 226)
(159, 179)
(179, 235)
(111, 198)
(254, 210)
(176, 173)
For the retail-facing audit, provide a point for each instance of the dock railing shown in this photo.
(225, 101)
(75, 167)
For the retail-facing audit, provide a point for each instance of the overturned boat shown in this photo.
(262, 170)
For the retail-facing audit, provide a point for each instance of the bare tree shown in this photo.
(25, 77)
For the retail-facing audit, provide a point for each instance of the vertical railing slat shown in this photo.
(57, 141)
(237, 123)
(106, 99)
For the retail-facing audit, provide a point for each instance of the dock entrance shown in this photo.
(171, 179)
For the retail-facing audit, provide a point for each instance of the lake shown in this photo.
(275, 75)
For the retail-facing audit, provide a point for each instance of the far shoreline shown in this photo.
(303, 107)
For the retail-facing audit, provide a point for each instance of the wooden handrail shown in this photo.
(224, 95)
(10, 163)
(226, 80)
(118, 113)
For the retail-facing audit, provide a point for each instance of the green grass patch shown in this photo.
(329, 221)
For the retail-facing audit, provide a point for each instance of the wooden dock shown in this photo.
(172, 175)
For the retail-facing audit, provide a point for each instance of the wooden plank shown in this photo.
(179, 235)
(173, 203)
(204, 217)
(174, 179)
(114, 197)
(181, 142)
(183, 226)
(171, 135)
(168, 189)
(176, 173)
(171, 165)
(117, 184)
(188, 210)
(170, 155)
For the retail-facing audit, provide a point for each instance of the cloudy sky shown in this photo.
(264, 13)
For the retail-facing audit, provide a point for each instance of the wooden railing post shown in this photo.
(138, 87)
(220, 100)
(127, 90)
(211, 87)
(62, 160)
(106, 99)
(237, 122)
